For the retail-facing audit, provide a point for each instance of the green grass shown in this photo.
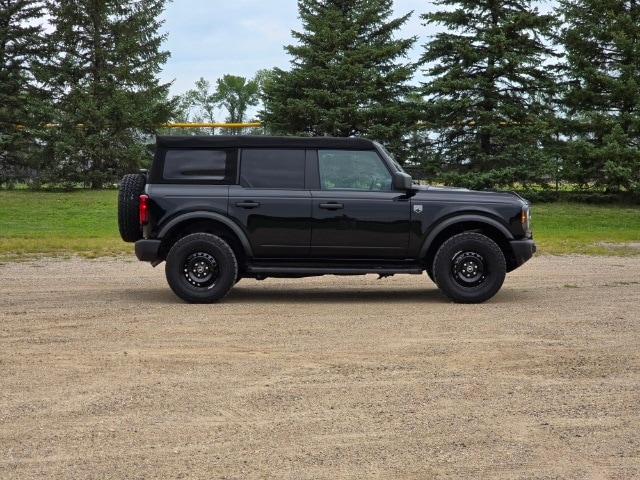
(85, 223)
(81, 222)
(562, 228)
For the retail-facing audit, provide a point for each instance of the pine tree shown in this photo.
(489, 90)
(20, 44)
(349, 74)
(602, 100)
(103, 86)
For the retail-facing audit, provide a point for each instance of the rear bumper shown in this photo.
(523, 250)
(147, 250)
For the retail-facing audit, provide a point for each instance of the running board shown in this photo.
(313, 271)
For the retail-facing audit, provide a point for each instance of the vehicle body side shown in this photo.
(400, 228)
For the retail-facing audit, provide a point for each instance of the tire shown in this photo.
(131, 186)
(469, 268)
(429, 271)
(201, 268)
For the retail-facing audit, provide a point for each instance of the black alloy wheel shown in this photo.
(469, 268)
(201, 268)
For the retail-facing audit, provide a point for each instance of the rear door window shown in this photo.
(272, 168)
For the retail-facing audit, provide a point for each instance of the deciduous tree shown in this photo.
(196, 105)
(236, 95)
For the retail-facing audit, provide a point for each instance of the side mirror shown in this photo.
(402, 181)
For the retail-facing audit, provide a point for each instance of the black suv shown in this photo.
(221, 208)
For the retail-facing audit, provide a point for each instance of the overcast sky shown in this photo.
(211, 38)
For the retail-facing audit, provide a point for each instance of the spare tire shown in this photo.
(131, 186)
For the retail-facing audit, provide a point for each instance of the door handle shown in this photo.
(247, 204)
(331, 206)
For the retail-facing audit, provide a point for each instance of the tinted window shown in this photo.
(354, 170)
(195, 164)
(272, 168)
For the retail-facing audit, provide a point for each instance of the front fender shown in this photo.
(467, 218)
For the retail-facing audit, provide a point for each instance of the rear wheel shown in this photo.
(131, 186)
(201, 268)
(469, 268)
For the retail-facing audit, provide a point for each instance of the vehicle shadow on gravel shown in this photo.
(290, 294)
(329, 295)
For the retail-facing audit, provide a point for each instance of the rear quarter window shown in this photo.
(199, 165)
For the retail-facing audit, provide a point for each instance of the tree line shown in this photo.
(502, 95)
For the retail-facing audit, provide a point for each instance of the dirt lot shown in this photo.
(104, 373)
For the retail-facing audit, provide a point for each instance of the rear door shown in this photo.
(271, 202)
(356, 214)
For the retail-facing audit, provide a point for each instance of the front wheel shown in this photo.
(201, 268)
(469, 268)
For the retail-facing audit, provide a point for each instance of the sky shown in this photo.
(211, 38)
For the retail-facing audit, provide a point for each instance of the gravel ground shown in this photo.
(104, 373)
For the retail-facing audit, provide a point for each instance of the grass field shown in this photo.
(85, 222)
(588, 229)
(60, 223)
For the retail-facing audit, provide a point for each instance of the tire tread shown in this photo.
(442, 270)
(189, 293)
(131, 186)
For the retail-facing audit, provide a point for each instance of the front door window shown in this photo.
(352, 170)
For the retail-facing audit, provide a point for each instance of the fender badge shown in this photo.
(417, 208)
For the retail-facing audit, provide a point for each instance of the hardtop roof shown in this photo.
(257, 141)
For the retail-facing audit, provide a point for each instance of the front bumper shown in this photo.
(148, 250)
(523, 250)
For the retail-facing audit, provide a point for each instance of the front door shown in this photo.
(356, 214)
